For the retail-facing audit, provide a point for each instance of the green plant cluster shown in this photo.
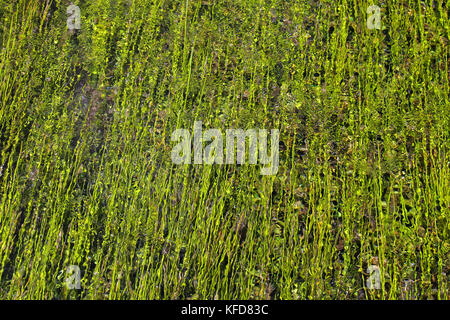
(86, 176)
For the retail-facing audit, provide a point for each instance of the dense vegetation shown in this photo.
(86, 177)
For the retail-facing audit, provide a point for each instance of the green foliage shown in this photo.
(85, 171)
